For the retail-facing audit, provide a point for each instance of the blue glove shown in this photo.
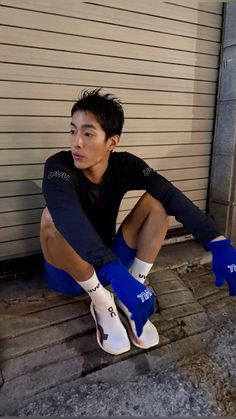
(224, 263)
(138, 298)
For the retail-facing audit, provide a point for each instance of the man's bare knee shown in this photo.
(48, 229)
(155, 207)
(46, 219)
(58, 252)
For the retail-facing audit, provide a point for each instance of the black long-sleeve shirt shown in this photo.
(85, 213)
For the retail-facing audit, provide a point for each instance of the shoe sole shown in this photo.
(98, 336)
(125, 320)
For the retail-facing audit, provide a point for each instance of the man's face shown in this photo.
(88, 145)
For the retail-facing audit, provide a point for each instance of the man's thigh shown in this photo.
(134, 221)
(125, 253)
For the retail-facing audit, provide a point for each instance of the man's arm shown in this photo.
(201, 226)
(184, 210)
(68, 216)
(140, 176)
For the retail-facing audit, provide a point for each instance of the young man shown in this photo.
(83, 189)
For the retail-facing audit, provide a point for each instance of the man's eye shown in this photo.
(72, 132)
(88, 134)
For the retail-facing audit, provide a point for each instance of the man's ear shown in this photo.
(113, 142)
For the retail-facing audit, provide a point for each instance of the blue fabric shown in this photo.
(138, 298)
(224, 263)
(122, 251)
(61, 281)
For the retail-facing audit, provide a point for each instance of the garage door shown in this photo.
(160, 59)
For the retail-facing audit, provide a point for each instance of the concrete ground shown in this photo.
(52, 365)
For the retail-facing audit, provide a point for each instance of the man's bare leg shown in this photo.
(111, 334)
(145, 228)
(58, 252)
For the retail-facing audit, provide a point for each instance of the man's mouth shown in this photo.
(78, 156)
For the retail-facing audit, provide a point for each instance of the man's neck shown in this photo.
(95, 174)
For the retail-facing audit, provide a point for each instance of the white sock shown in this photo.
(140, 269)
(112, 336)
(98, 294)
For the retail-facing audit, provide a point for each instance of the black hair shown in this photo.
(106, 108)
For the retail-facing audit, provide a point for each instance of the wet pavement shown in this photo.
(51, 363)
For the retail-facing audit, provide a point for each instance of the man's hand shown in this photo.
(138, 298)
(224, 263)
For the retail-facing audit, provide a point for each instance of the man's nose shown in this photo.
(78, 140)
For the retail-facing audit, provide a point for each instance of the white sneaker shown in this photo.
(149, 336)
(111, 334)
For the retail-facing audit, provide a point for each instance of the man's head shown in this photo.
(106, 108)
(96, 125)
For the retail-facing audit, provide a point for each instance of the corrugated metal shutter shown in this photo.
(161, 59)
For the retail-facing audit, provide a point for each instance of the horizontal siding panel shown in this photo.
(135, 139)
(106, 20)
(19, 232)
(213, 6)
(21, 172)
(171, 150)
(205, 52)
(19, 248)
(60, 79)
(57, 108)
(20, 217)
(35, 107)
(15, 140)
(166, 111)
(162, 9)
(190, 184)
(19, 203)
(139, 125)
(70, 94)
(65, 42)
(193, 176)
(152, 7)
(25, 156)
(16, 54)
(48, 124)
(39, 156)
(178, 162)
(21, 188)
